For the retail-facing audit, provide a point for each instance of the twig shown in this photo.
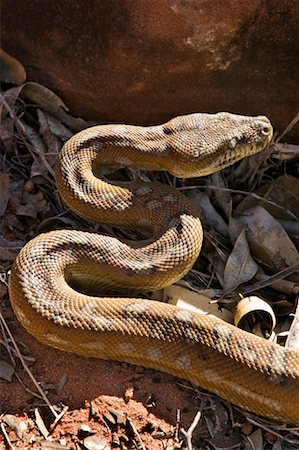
(236, 191)
(177, 426)
(271, 430)
(190, 430)
(27, 368)
(58, 418)
(135, 432)
(288, 128)
(6, 437)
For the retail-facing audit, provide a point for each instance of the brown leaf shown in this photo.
(268, 240)
(4, 192)
(286, 152)
(52, 126)
(208, 213)
(222, 196)
(281, 198)
(9, 249)
(50, 102)
(7, 135)
(42, 97)
(240, 266)
(12, 71)
(6, 371)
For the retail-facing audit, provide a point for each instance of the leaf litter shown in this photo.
(250, 216)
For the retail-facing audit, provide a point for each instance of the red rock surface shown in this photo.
(146, 61)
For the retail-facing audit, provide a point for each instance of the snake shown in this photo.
(82, 292)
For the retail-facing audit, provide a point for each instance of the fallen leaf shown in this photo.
(285, 152)
(240, 266)
(12, 71)
(6, 371)
(222, 196)
(268, 240)
(16, 424)
(208, 214)
(4, 190)
(10, 249)
(279, 197)
(255, 441)
(40, 424)
(7, 133)
(50, 102)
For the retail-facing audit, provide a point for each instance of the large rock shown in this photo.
(145, 61)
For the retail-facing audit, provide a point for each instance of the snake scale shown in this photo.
(54, 274)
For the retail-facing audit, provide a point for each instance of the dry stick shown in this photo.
(288, 128)
(190, 430)
(135, 432)
(271, 430)
(6, 437)
(235, 191)
(27, 368)
(177, 426)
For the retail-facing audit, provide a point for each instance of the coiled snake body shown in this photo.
(53, 272)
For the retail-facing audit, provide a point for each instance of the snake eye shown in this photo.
(266, 130)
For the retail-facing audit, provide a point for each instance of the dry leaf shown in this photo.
(234, 229)
(222, 196)
(4, 192)
(6, 371)
(40, 424)
(240, 266)
(207, 212)
(281, 198)
(12, 71)
(53, 126)
(42, 97)
(50, 102)
(16, 424)
(50, 140)
(285, 152)
(10, 249)
(7, 135)
(255, 441)
(268, 240)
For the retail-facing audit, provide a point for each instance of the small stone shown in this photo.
(115, 441)
(96, 443)
(120, 417)
(109, 419)
(85, 431)
(129, 392)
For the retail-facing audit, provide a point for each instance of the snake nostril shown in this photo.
(264, 125)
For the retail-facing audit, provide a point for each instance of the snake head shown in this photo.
(206, 143)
